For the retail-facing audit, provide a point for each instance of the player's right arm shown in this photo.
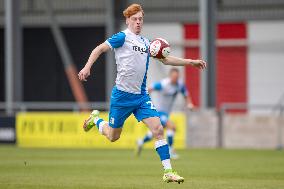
(85, 72)
(115, 41)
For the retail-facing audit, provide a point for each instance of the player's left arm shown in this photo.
(176, 61)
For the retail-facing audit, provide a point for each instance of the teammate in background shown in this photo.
(168, 88)
(130, 95)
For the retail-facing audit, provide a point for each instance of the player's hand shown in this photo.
(200, 64)
(190, 106)
(84, 73)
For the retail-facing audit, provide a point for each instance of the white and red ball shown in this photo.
(160, 48)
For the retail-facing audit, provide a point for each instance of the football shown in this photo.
(159, 48)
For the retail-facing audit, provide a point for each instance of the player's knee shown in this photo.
(158, 131)
(114, 138)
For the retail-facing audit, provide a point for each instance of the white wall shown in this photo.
(265, 62)
(239, 130)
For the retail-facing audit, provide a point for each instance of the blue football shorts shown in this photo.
(123, 104)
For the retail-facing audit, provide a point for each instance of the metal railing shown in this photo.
(59, 106)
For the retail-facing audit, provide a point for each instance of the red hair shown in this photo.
(132, 9)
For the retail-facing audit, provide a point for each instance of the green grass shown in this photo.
(105, 169)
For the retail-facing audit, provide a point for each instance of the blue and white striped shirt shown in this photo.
(132, 59)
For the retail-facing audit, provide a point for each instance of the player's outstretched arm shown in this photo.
(85, 72)
(176, 61)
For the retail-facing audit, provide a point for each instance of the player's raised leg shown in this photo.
(119, 112)
(89, 123)
(162, 149)
(104, 128)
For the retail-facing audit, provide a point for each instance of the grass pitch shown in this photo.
(119, 169)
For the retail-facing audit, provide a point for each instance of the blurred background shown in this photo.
(239, 99)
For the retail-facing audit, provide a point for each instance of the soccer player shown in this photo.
(130, 95)
(168, 89)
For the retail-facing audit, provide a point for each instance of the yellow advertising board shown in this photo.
(64, 130)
